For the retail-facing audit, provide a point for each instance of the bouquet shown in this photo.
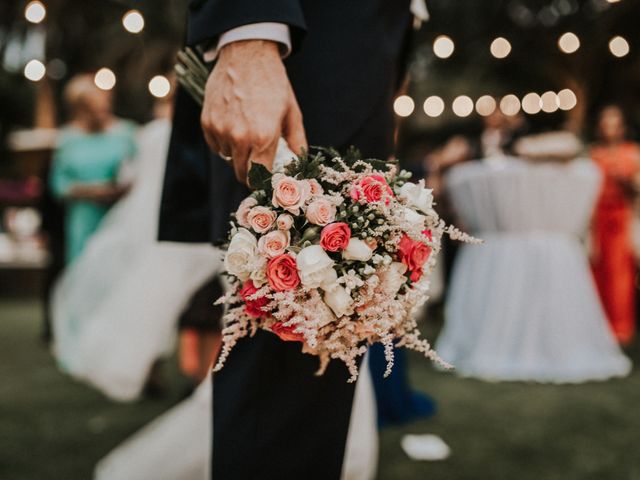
(331, 251)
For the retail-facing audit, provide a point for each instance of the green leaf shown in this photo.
(259, 177)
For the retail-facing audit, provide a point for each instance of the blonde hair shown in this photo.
(77, 89)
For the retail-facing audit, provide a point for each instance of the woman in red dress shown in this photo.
(613, 259)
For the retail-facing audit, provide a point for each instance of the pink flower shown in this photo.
(289, 193)
(261, 219)
(286, 333)
(427, 233)
(335, 237)
(374, 187)
(285, 221)
(282, 273)
(252, 307)
(274, 243)
(414, 255)
(321, 212)
(315, 187)
(243, 211)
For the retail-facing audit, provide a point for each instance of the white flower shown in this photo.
(240, 256)
(259, 271)
(339, 300)
(357, 250)
(417, 195)
(316, 268)
(392, 278)
(413, 217)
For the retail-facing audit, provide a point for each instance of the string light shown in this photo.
(403, 106)
(485, 105)
(618, 46)
(35, 70)
(569, 42)
(550, 102)
(133, 21)
(433, 106)
(510, 105)
(462, 106)
(35, 12)
(443, 46)
(159, 86)
(531, 103)
(567, 99)
(105, 79)
(500, 47)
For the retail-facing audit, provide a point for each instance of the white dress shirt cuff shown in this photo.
(276, 32)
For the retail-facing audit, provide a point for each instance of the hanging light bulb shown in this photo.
(133, 21)
(433, 106)
(35, 70)
(105, 79)
(35, 12)
(403, 106)
(443, 46)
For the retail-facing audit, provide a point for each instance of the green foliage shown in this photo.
(260, 178)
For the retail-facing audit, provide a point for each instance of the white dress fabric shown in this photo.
(115, 309)
(524, 306)
(177, 445)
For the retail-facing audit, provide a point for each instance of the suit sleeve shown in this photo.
(208, 19)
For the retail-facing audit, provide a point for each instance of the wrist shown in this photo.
(246, 48)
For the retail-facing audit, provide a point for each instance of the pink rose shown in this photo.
(335, 237)
(321, 212)
(285, 221)
(282, 273)
(289, 193)
(316, 188)
(374, 187)
(252, 307)
(286, 333)
(243, 211)
(261, 219)
(274, 243)
(414, 255)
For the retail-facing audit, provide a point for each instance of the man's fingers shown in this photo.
(293, 130)
(266, 155)
(240, 154)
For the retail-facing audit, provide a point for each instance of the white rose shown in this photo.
(259, 271)
(392, 278)
(417, 195)
(357, 250)
(413, 217)
(339, 300)
(315, 268)
(240, 256)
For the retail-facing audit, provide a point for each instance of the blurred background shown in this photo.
(523, 117)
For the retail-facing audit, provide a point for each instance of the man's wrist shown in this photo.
(252, 46)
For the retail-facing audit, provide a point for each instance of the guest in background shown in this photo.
(613, 261)
(88, 159)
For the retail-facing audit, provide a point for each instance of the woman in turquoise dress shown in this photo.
(91, 151)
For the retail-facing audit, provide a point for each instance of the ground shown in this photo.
(54, 428)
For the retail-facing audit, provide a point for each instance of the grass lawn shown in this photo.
(54, 428)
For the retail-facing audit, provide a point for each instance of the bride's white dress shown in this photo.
(177, 445)
(116, 307)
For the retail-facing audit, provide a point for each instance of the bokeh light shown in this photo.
(105, 79)
(618, 46)
(569, 42)
(510, 105)
(35, 12)
(404, 106)
(531, 103)
(433, 106)
(462, 106)
(35, 70)
(133, 21)
(567, 99)
(500, 47)
(443, 46)
(550, 102)
(159, 86)
(486, 105)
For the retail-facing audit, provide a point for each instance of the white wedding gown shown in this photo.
(177, 445)
(115, 309)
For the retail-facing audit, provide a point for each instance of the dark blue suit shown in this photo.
(273, 419)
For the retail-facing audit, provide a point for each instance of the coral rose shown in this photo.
(261, 219)
(414, 255)
(321, 212)
(286, 333)
(335, 237)
(282, 273)
(374, 188)
(252, 307)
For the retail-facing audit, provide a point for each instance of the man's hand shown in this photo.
(249, 104)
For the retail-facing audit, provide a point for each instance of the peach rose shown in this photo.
(289, 193)
(252, 307)
(243, 211)
(286, 333)
(261, 219)
(284, 221)
(321, 212)
(274, 243)
(316, 188)
(374, 188)
(282, 273)
(414, 255)
(335, 237)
